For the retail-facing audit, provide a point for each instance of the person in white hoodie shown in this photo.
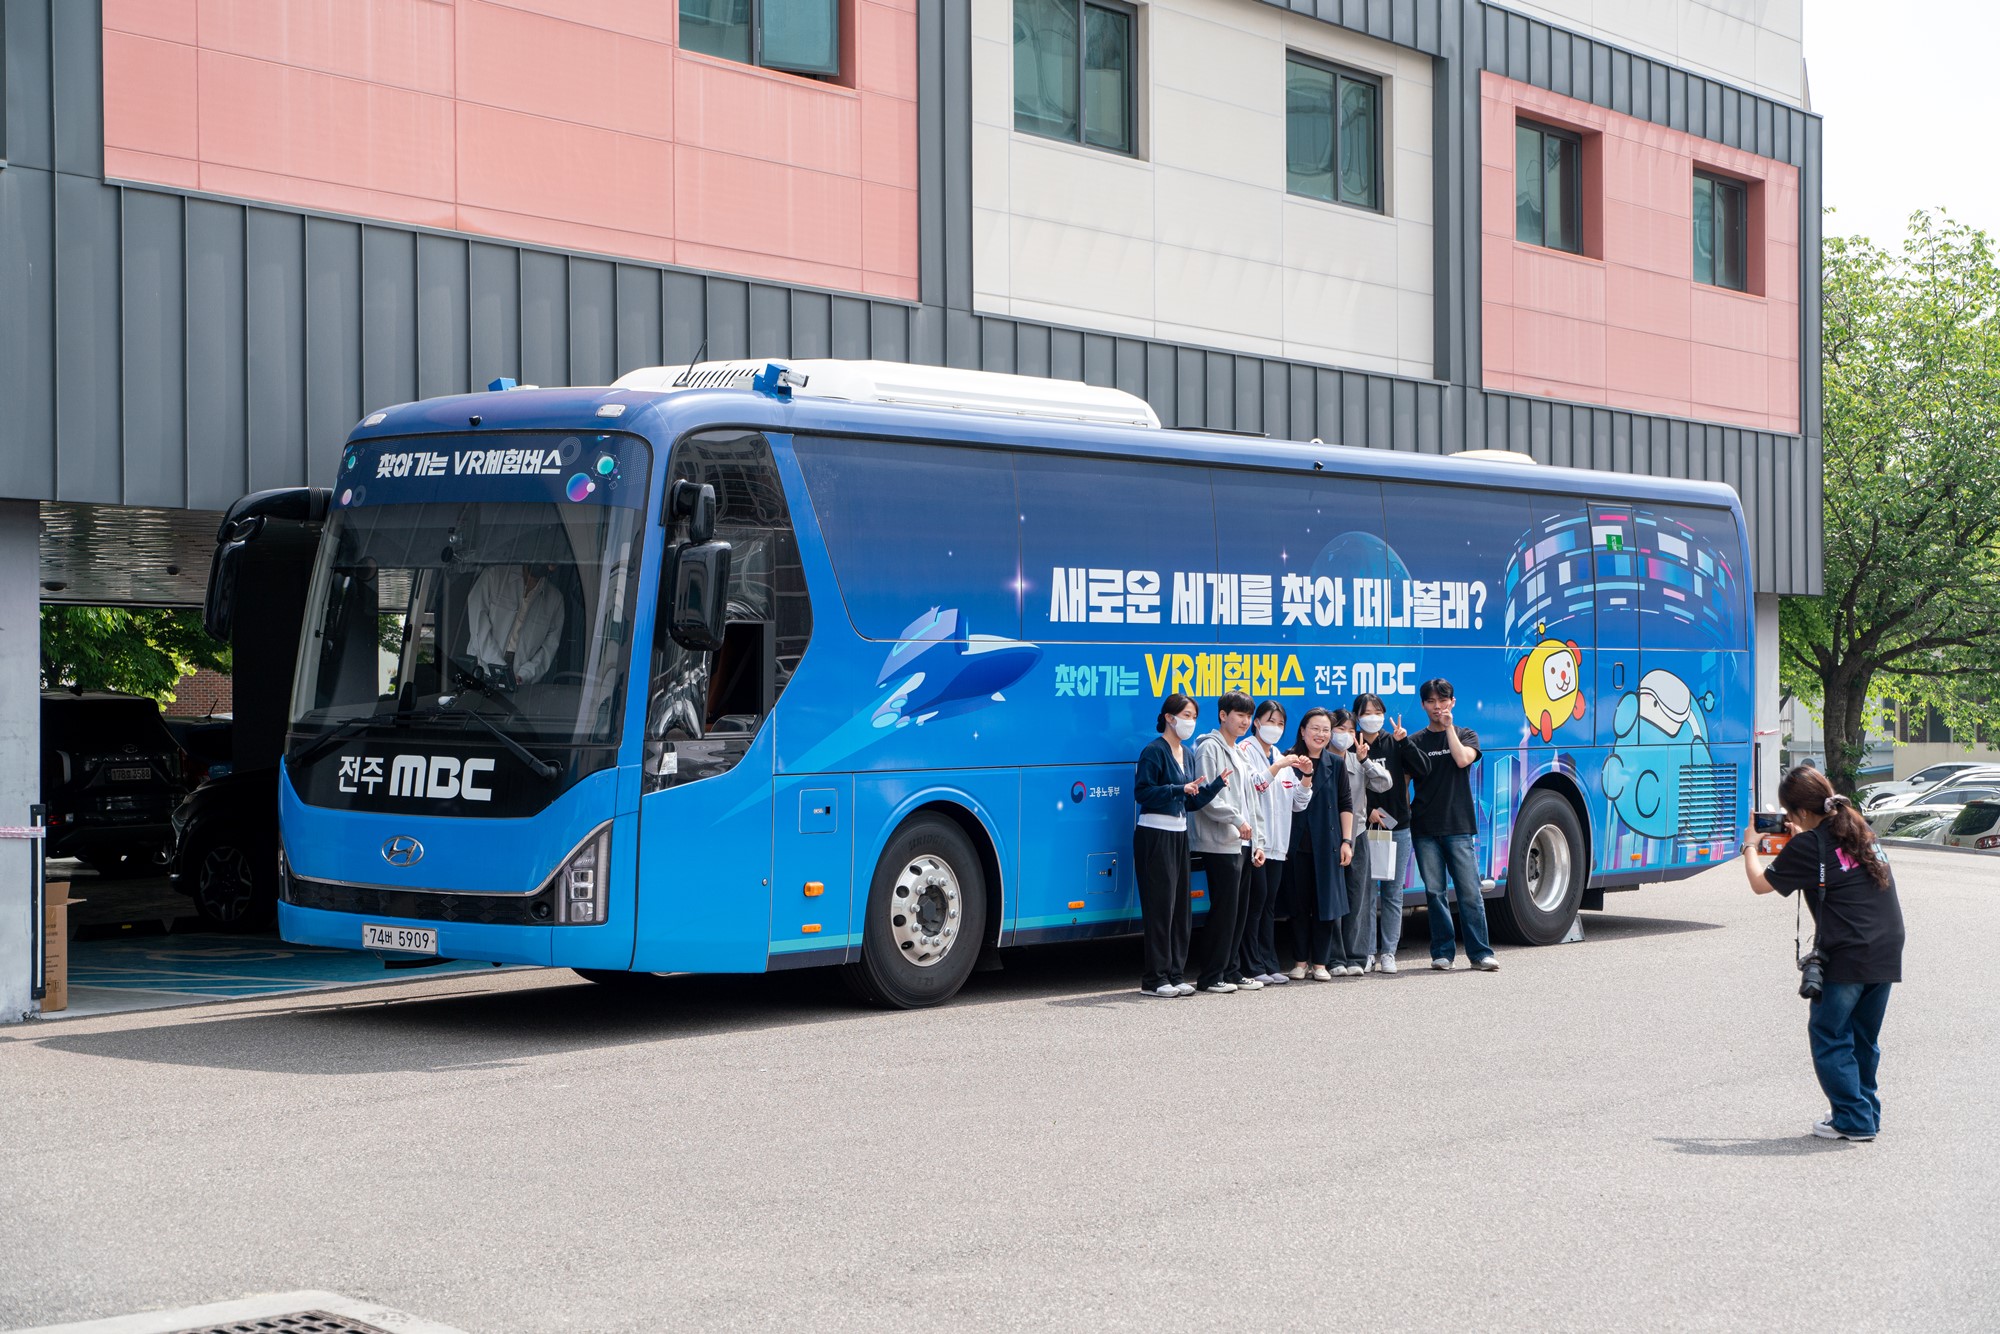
(1285, 781)
(1228, 833)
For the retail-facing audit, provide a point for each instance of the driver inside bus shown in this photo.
(516, 617)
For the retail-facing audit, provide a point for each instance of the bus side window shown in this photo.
(704, 709)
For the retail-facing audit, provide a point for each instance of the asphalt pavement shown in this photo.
(1610, 1135)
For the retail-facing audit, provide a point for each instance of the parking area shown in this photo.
(1609, 1135)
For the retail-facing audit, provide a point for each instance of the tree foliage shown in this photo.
(1911, 608)
(139, 651)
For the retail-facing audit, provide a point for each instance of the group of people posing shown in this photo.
(1287, 826)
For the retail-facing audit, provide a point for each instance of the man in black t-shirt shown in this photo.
(1444, 828)
(1833, 860)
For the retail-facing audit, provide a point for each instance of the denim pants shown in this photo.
(1389, 894)
(1453, 852)
(1844, 1026)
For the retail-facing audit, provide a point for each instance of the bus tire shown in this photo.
(925, 919)
(1547, 873)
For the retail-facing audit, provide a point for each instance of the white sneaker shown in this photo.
(1249, 984)
(1167, 990)
(1320, 974)
(1824, 1130)
(1219, 989)
(1442, 965)
(1386, 965)
(1489, 964)
(1351, 970)
(1299, 972)
(1184, 988)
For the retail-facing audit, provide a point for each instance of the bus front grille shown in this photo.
(422, 905)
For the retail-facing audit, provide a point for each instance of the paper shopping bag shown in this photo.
(1381, 855)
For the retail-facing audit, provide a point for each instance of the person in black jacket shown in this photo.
(1167, 788)
(1322, 846)
(1857, 931)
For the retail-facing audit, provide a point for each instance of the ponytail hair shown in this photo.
(1805, 790)
(1172, 707)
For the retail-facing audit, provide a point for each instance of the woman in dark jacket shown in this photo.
(1167, 788)
(1322, 846)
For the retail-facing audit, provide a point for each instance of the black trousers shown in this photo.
(1160, 861)
(1259, 954)
(1312, 939)
(1228, 898)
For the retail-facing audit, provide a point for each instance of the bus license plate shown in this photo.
(404, 939)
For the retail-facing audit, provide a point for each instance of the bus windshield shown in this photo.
(509, 595)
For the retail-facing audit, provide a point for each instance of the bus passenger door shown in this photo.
(812, 877)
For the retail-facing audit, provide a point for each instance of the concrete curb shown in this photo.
(1928, 846)
(252, 1308)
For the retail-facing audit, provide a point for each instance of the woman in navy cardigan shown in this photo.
(1167, 788)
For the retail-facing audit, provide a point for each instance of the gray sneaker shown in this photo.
(1824, 1130)
(1489, 964)
(1249, 984)
(1274, 979)
(1185, 988)
(1166, 990)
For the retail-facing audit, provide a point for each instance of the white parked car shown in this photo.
(1928, 777)
(1948, 802)
(1977, 825)
(1984, 775)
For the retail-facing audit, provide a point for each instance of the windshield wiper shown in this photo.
(338, 732)
(541, 768)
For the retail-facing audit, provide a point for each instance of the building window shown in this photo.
(1548, 187)
(1073, 72)
(1333, 133)
(1721, 232)
(798, 36)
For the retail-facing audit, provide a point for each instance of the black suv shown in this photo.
(111, 776)
(226, 849)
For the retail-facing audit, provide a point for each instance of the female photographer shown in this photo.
(1858, 936)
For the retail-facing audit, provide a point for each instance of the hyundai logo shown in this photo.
(402, 850)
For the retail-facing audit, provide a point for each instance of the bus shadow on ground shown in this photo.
(375, 1032)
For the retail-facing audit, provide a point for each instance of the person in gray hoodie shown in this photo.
(1228, 833)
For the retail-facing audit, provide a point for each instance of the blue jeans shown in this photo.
(1845, 1024)
(1455, 851)
(1389, 898)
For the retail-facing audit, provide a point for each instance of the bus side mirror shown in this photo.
(696, 504)
(700, 606)
(218, 608)
(242, 525)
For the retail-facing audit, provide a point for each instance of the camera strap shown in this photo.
(1799, 915)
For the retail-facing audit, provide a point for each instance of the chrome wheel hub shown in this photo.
(924, 910)
(1547, 870)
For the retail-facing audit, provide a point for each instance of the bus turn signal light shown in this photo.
(810, 928)
(1076, 903)
(814, 889)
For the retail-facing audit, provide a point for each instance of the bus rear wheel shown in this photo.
(1547, 872)
(925, 919)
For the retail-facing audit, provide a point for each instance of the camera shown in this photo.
(1812, 976)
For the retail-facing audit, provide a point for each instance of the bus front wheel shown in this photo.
(1547, 872)
(926, 918)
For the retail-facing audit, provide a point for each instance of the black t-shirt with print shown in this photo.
(1442, 805)
(1860, 926)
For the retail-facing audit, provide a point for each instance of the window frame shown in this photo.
(1716, 180)
(756, 60)
(1081, 139)
(1573, 202)
(1381, 87)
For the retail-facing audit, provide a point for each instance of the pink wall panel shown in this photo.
(1626, 324)
(569, 123)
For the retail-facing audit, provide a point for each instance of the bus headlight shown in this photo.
(579, 881)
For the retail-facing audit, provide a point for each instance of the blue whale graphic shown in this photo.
(937, 672)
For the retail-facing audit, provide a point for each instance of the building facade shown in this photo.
(1587, 231)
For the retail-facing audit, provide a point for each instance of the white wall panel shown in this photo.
(1754, 44)
(1196, 239)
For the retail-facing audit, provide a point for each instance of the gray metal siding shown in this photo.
(169, 349)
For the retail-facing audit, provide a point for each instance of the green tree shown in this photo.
(140, 651)
(1911, 609)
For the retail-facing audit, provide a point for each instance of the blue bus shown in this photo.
(749, 666)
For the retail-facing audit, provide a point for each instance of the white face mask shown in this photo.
(1269, 734)
(1343, 740)
(1371, 722)
(1183, 728)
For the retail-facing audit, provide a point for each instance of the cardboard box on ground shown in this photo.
(55, 946)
